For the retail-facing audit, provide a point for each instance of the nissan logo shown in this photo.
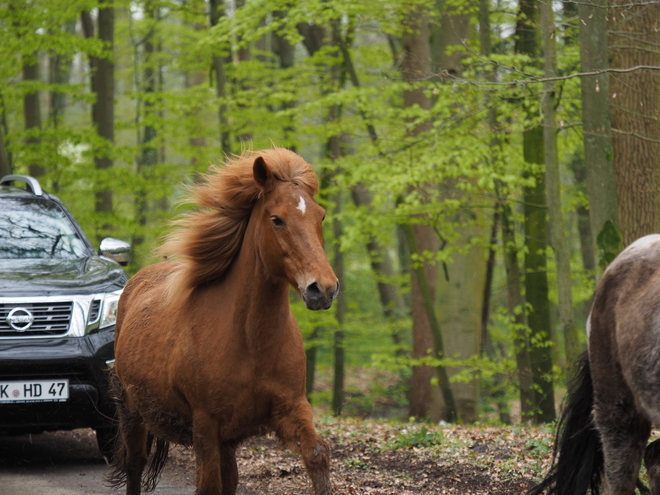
(20, 319)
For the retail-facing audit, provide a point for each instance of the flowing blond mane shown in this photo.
(205, 242)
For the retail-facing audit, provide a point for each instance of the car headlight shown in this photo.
(109, 309)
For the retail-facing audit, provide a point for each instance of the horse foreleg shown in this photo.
(652, 462)
(207, 454)
(228, 468)
(623, 433)
(296, 430)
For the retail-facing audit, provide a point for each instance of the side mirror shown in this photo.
(116, 250)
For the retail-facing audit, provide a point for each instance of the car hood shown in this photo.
(40, 277)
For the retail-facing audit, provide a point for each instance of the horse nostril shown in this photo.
(313, 291)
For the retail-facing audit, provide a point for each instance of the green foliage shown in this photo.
(412, 438)
(448, 176)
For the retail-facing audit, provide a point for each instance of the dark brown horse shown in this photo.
(207, 350)
(615, 397)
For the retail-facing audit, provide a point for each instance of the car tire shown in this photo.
(105, 439)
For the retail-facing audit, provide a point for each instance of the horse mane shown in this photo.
(205, 241)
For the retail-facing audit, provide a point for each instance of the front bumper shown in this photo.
(80, 359)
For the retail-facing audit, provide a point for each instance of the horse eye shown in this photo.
(277, 221)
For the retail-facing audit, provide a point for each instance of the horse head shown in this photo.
(291, 238)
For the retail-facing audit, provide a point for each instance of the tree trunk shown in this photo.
(216, 12)
(60, 73)
(5, 163)
(335, 151)
(243, 55)
(197, 78)
(103, 108)
(285, 52)
(424, 278)
(416, 64)
(634, 40)
(535, 209)
(381, 263)
(32, 111)
(536, 287)
(460, 298)
(391, 301)
(597, 133)
(149, 151)
(516, 304)
(553, 191)
(340, 312)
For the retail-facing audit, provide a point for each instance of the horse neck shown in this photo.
(261, 303)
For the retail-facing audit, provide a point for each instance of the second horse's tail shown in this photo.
(577, 464)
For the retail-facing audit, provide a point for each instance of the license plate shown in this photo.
(34, 391)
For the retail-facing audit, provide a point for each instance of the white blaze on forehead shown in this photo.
(302, 206)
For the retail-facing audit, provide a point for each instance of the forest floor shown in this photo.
(376, 457)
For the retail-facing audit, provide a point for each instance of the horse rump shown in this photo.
(578, 461)
(121, 464)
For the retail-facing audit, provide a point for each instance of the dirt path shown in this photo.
(367, 458)
(62, 463)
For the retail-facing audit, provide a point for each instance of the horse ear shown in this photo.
(261, 173)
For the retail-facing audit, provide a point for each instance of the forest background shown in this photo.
(481, 162)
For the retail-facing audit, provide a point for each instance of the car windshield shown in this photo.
(37, 228)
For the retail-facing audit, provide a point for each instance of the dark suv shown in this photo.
(58, 302)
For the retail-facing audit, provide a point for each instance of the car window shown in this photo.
(36, 228)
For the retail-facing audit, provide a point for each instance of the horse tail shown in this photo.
(117, 477)
(157, 461)
(578, 462)
(120, 463)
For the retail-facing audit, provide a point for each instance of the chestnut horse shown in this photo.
(615, 397)
(207, 350)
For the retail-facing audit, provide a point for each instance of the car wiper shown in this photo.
(58, 238)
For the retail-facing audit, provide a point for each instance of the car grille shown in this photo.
(50, 318)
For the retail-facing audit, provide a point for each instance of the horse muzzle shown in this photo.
(317, 297)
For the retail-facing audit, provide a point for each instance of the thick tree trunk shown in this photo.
(597, 133)
(634, 40)
(536, 283)
(424, 280)
(536, 277)
(416, 64)
(459, 299)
